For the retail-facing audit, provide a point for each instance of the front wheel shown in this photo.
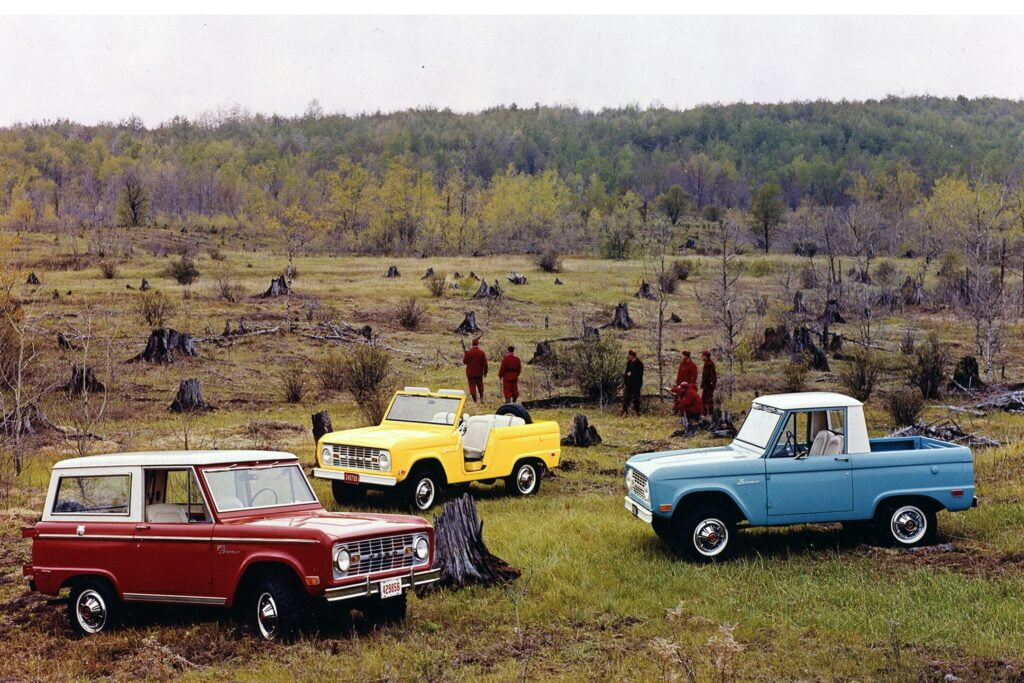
(525, 479)
(388, 611)
(706, 535)
(93, 607)
(423, 490)
(275, 606)
(346, 494)
(906, 525)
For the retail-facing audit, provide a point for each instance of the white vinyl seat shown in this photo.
(166, 513)
(820, 443)
(835, 444)
(478, 432)
(229, 503)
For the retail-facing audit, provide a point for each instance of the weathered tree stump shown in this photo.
(516, 278)
(486, 291)
(83, 381)
(590, 333)
(966, 375)
(321, 425)
(912, 292)
(558, 282)
(145, 285)
(798, 302)
(456, 275)
(645, 291)
(278, 287)
(33, 280)
(165, 345)
(776, 340)
(468, 324)
(189, 398)
(366, 332)
(543, 353)
(26, 422)
(429, 273)
(582, 435)
(832, 314)
(674, 318)
(392, 272)
(64, 343)
(460, 551)
(621, 319)
(835, 343)
(473, 276)
(803, 344)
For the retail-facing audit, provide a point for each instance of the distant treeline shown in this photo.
(505, 179)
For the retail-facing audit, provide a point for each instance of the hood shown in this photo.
(387, 437)
(700, 461)
(336, 526)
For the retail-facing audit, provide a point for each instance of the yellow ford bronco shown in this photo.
(425, 442)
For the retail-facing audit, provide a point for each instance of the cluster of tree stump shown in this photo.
(486, 291)
(165, 345)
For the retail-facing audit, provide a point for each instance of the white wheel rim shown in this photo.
(526, 479)
(908, 524)
(266, 615)
(710, 537)
(424, 495)
(91, 611)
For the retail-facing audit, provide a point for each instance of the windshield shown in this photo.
(759, 426)
(425, 409)
(264, 486)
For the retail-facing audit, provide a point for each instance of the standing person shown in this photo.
(632, 383)
(475, 361)
(708, 382)
(508, 373)
(687, 370)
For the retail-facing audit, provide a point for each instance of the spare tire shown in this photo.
(516, 410)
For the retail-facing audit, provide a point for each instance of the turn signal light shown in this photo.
(665, 508)
(312, 580)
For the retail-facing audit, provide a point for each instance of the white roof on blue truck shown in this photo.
(173, 458)
(811, 400)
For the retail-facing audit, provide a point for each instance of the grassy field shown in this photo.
(600, 598)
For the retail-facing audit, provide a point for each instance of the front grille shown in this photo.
(381, 554)
(355, 457)
(637, 483)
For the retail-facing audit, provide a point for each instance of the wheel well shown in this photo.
(710, 499)
(431, 465)
(541, 467)
(926, 503)
(259, 570)
(78, 578)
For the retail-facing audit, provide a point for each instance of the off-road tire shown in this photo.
(275, 606)
(525, 478)
(898, 524)
(93, 607)
(423, 489)
(705, 535)
(346, 494)
(516, 410)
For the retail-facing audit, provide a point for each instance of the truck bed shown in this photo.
(907, 443)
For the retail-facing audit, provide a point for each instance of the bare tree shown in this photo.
(659, 238)
(721, 302)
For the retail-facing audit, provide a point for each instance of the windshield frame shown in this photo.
(258, 466)
(459, 403)
(778, 420)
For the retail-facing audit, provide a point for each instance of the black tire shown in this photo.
(275, 607)
(666, 531)
(346, 494)
(525, 478)
(423, 489)
(903, 524)
(704, 535)
(93, 607)
(516, 410)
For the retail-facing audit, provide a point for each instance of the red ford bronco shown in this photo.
(238, 529)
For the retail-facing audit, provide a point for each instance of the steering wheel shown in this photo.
(462, 425)
(257, 495)
(789, 443)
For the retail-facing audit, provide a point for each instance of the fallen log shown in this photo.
(165, 345)
(946, 429)
(516, 278)
(1010, 401)
(459, 549)
(582, 435)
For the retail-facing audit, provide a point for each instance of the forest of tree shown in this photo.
(510, 178)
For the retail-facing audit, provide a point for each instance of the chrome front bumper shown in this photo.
(372, 586)
(638, 510)
(375, 479)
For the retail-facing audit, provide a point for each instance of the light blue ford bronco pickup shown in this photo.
(799, 458)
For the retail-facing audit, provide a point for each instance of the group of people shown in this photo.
(475, 360)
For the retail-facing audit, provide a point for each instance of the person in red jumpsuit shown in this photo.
(508, 373)
(687, 370)
(475, 361)
(687, 403)
(708, 382)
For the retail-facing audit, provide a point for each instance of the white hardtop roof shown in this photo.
(173, 458)
(808, 399)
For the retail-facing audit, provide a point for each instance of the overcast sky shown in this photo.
(107, 68)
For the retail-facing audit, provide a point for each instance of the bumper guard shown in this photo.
(372, 586)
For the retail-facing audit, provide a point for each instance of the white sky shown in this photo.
(106, 68)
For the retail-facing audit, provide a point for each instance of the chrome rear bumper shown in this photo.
(372, 586)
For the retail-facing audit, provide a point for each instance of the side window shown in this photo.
(173, 496)
(93, 495)
(794, 438)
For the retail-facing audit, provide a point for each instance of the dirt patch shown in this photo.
(946, 556)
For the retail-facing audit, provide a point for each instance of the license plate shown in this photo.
(391, 588)
(351, 478)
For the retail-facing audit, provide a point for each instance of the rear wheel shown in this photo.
(93, 607)
(346, 494)
(525, 479)
(905, 525)
(423, 489)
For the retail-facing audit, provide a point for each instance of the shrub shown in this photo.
(808, 278)
(367, 377)
(294, 381)
(108, 269)
(860, 374)
(228, 289)
(216, 254)
(330, 371)
(904, 406)
(808, 248)
(436, 284)
(759, 267)
(155, 308)
(410, 314)
(549, 261)
(926, 370)
(682, 268)
(595, 365)
(794, 374)
(183, 271)
(667, 282)
(885, 274)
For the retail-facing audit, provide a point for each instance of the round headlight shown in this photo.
(384, 460)
(422, 548)
(326, 455)
(342, 560)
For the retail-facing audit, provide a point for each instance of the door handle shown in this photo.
(843, 458)
(141, 527)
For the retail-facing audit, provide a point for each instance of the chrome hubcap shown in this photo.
(526, 479)
(92, 611)
(424, 494)
(266, 615)
(710, 537)
(909, 524)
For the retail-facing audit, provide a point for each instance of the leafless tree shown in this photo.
(721, 301)
(658, 242)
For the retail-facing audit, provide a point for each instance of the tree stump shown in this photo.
(366, 332)
(798, 302)
(145, 285)
(64, 343)
(645, 291)
(621, 319)
(29, 421)
(473, 276)
(165, 345)
(456, 275)
(776, 340)
(392, 272)
(278, 287)
(486, 291)
(542, 354)
(189, 398)
(429, 273)
(83, 381)
(912, 292)
(674, 318)
(803, 343)
(835, 343)
(459, 549)
(33, 280)
(582, 435)
(468, 324)
(590, 333)
(516, 278)
(966, 375)
(558, 282)
(321, 425)
(832, 314)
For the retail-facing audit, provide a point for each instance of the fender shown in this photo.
(53, 581)
(698, 489)
(935, 495)
(274, 558)
(432, 456)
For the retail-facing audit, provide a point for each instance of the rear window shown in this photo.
(106, 494)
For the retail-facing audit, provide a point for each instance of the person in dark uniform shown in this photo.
(632, 383)
(708, 382)
(509, 372)
(475, 361)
